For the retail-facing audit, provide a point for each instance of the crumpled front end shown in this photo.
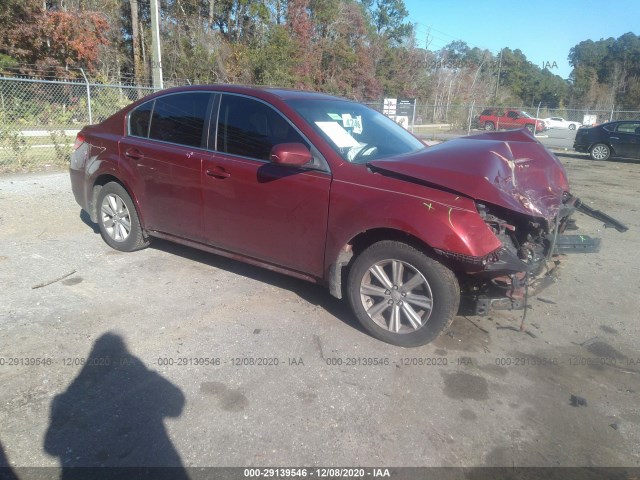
(527, 260)
(521, 192)
(507, 169)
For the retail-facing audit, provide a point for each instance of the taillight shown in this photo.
(79, 141)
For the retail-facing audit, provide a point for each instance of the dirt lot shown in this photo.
(201, 361)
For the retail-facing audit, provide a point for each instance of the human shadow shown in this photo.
(111, 415)
(6, 472)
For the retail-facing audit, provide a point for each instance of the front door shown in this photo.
(626, 140)
(277, 214)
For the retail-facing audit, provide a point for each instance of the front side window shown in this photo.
(357, 133)
(180, 118)
(250, 128)
(629, 128)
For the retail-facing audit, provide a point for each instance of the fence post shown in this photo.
(471, 116)
(86, 81)
(535, 124)
(413, 118)
(611, 116)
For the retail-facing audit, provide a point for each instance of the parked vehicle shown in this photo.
(330, 191)
(559, 122)
(496, 119)
(613, 139)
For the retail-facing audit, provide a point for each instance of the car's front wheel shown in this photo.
(489, 126)
(600, 151)
(400, 295)
(118, 219)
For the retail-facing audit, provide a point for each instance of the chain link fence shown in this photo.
(39, 119)
(463, 117)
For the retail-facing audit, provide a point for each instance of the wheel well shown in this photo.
(340, 268)
(367, 238)
(100, 182)
(602, 143)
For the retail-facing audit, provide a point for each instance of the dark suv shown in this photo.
(613, 139)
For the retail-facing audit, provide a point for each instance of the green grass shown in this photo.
(32, 159)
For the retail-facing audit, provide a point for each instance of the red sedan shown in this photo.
(332, 192)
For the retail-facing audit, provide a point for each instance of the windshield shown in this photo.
(357, 133)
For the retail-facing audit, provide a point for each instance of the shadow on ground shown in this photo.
(112, 415)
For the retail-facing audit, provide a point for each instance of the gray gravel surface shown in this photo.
(479, 395)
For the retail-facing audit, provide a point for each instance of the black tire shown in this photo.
(436, 281)
(489, 126)
(600, 151)
(124, 233)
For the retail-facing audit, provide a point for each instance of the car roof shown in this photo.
(255, 91)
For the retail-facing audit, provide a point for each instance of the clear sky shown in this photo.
(544, 30)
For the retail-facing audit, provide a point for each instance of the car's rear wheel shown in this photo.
(489, 126)
(118, 219)
(600, 151)
(400, 295)
(572, 127)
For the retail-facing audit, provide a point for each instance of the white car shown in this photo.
(559, 122)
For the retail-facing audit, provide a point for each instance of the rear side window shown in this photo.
(249, 128)
(139, 120)
(180, 118)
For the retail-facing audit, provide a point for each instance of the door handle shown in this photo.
(133, 153)
(217, 172)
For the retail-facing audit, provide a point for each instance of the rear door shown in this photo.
(626, 139)
(274, 213)
(165, 157)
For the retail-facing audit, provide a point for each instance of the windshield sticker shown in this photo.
(335, 116)
(357, 125)
(337, 134)
(347, 120)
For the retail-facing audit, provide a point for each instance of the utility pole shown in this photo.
(156, 57)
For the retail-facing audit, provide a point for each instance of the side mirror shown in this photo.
(293, 154)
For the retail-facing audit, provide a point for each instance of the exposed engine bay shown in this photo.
(528, 259)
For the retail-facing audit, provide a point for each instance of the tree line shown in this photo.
(364, 49)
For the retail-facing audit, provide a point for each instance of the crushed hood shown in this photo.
(510, 169)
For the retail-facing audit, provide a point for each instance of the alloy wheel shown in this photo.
(396, 296)
(115, 217)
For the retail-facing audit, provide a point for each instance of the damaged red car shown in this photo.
(332, 192)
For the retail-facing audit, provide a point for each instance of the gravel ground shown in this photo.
(175, 335)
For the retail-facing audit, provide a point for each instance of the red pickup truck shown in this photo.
(507, 119)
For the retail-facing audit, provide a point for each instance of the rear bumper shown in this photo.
(78, 187)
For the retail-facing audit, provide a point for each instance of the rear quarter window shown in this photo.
(139, 120)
